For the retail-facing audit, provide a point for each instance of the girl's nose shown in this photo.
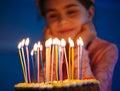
(63, 19)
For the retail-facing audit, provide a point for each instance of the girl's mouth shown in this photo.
(65, 31)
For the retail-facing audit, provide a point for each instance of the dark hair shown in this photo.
(41, 4)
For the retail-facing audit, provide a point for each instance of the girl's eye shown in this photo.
(72, 12)
(52, 16)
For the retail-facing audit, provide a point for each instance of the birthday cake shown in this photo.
(51, 70)
(76, 85)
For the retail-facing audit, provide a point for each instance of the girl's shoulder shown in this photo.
(100, 44)
(100, 48)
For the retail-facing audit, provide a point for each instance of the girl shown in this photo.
(74, 18)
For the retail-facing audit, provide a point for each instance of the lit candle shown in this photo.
(81, 53)
(59, 58)
(35, 61)
(48, 46)
(28, 61)
(38, 62)
(69, 58)
(19, 47)
(72, 46)
(41, 60)
(78, 44)
(61, 65)
(32, 58)
(22, 45)
(60, 62)
(63, 44)
(56, 56)
(52, 61)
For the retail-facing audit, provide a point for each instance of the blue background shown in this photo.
(19, 19)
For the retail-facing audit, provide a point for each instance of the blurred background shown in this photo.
(19, 19)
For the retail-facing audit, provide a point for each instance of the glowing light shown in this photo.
(27, 41)
(19, 45)
(81, 41)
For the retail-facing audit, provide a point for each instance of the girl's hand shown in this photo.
(87, 33)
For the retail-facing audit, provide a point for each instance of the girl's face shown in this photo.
(65, 17)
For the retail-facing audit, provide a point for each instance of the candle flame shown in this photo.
(27, 41)
(32, 52)
(63, 43)
(48, 42)
(56, 41)
(69, 39)
(81, 41)
(35, 47)
(71, 42)
(39, 44)
(19, 45)
(23, 42)
(41, 47)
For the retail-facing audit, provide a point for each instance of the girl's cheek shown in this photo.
(84, 20)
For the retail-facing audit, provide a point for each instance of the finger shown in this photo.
(89, 26)
(87, 33)
(83, 31)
